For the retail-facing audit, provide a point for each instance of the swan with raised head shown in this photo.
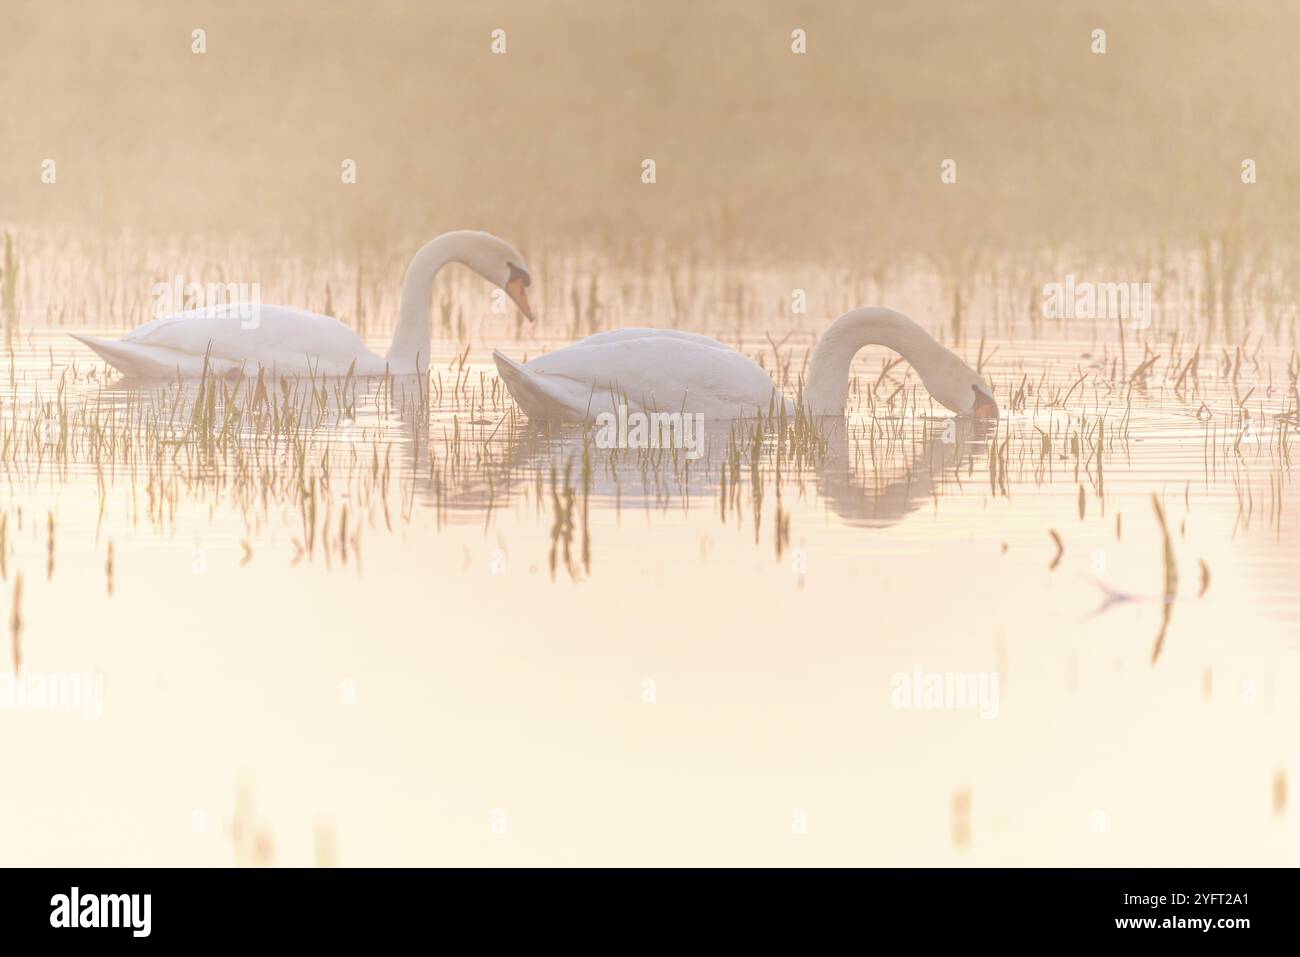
(236, 338)
(663, 370)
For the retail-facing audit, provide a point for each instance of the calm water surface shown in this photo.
(392, 623)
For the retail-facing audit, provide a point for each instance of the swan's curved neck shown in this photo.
(827, 389)
(409, 352)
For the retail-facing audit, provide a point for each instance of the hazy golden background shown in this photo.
(834, 154)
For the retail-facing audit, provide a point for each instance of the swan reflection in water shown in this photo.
(863, 483)
(937, 454)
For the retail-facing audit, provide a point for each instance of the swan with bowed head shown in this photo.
(662, 370)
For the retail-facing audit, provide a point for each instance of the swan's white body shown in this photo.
(667, 371)
(279, 340)
(284, 341)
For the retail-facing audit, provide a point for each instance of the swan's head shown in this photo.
(964, 391)
(499, 263)
(984, 406)
(979, 397)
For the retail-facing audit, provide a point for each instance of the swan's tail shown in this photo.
(525, 389)
(132, 359)
(123, 359)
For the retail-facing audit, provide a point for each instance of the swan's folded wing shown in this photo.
(657, 372)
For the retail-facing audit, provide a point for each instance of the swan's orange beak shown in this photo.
(515, 290)
(985, 407)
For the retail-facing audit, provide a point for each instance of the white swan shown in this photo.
(667, 371)
(291, 342)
